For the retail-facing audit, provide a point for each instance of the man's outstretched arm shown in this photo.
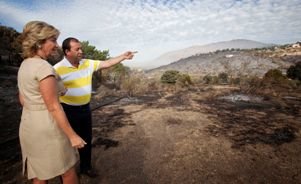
(113, 61)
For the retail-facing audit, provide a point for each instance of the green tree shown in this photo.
(91, 52)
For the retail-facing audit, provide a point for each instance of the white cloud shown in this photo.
(154, 27)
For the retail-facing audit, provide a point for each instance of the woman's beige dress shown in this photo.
(46, 150)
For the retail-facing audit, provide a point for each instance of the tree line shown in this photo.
(11, 49)
(11, 55)
(10, 46)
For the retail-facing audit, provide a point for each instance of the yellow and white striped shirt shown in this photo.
(78, 81)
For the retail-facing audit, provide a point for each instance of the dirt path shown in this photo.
(163, 143)
(158, 147)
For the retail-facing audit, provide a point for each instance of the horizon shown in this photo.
(154, 27)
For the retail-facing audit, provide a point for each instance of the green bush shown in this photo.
(184, 80)
(235, 81)
(170, 76)
(294, 72)
(111, 77)
(131, 85)
(223, 78)
(274, 75)
(274, 78)
(208, 79)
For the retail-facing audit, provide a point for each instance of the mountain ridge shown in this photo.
(176, 55)
(235, 62)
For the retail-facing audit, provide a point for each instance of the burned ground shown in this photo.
(185, 136)
(253, 122)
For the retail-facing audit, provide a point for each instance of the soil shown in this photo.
(184, 137)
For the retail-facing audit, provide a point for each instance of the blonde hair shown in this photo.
(35, 33)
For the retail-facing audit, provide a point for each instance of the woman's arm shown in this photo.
(48, 89)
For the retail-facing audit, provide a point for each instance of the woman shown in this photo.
(47, 140)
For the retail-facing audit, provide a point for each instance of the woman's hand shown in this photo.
(77, 142)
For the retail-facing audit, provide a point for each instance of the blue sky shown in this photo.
(154, 27)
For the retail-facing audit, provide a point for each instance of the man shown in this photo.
(76, 74)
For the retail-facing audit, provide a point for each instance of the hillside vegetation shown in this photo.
(235, 62)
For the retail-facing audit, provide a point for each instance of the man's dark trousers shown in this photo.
(80, 119)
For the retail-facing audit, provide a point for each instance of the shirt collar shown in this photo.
(68, 64)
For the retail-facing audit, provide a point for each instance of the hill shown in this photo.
(176, 55)
(253, 62)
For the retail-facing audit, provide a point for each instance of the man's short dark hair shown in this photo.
(66, 44)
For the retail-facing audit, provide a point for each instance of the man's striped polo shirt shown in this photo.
(78, 81)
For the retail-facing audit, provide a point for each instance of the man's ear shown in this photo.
(66, 51)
